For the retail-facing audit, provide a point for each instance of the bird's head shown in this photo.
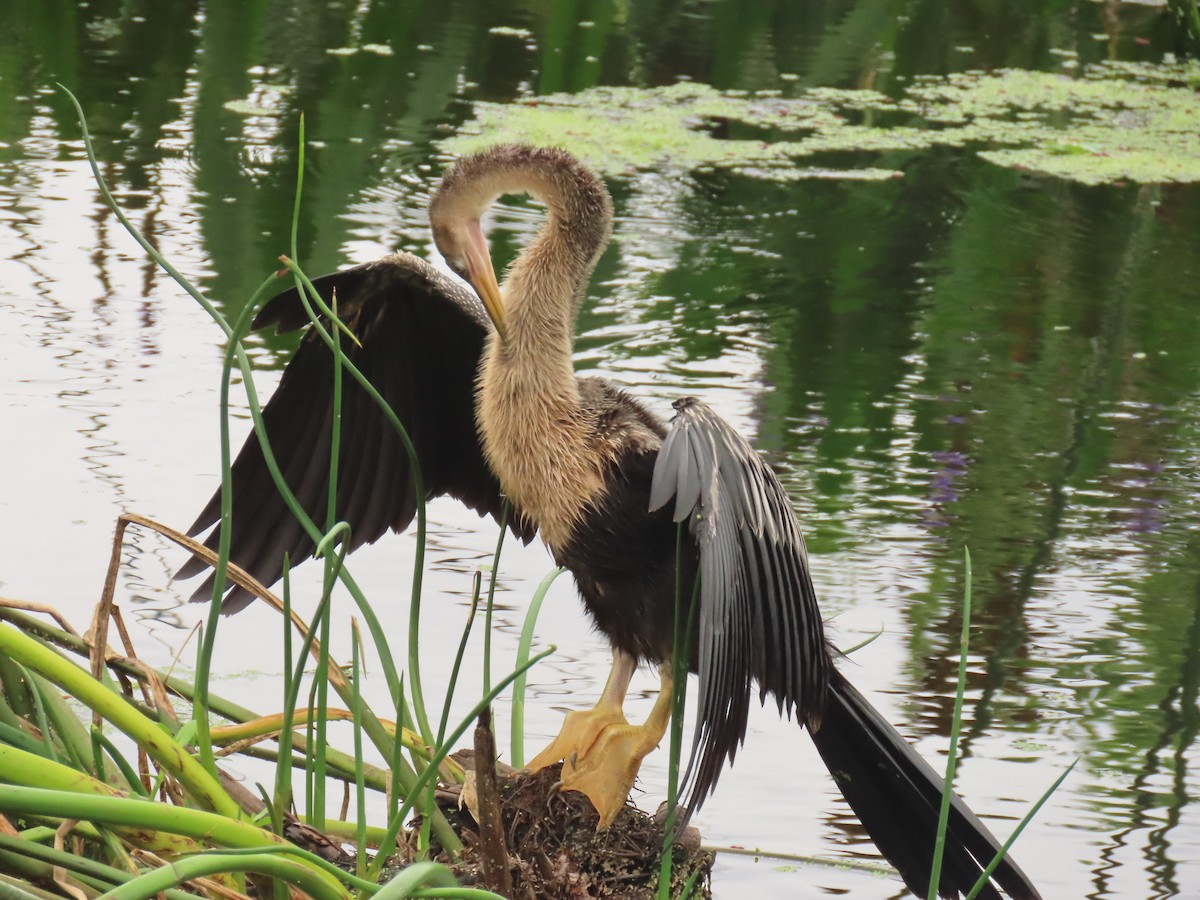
(461, 242)
(454, 215)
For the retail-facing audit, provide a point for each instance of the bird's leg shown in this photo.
(582, 727)
(600, 750)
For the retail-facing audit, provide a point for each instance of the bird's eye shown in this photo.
(458, 265)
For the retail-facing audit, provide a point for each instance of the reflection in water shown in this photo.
(967, 357)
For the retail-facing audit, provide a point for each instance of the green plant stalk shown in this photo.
(346, 831)
(131, 780)
(233, 349)
(307, 856)
(207, 759)
(517, 738)
(317, 886)
(40, 719)
(689, 886)
(98, 758)
(311, 714)
(114, 708)
(118, 855)
(111, 203)
(964, 640)
(11, 889)
(403, 774)
(36, 870)
(30, 772)
(18, 738)
(127, 813)
(414, 626)
(74, 736)
(680, 642)
(430, 797)
(419, 874)
(7, 716)
(332, 562)
(389, 845)
(282, 798)
(360, 789)
(200, 697)
(982, 882)
(47, 831)
(341, 762)
(458, 658)
(14, 689)
(343, 766)
(319, 702)
(491, 599)
(50, 857)
(443, 750)
(38, 834)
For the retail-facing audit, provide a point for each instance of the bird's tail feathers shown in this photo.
(897, 795)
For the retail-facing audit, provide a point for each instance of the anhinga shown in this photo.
(486, 389)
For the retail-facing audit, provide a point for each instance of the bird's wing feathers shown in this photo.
(757, 617)
(420, 338)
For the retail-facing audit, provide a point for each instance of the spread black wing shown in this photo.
(421, 335)
(759, 620)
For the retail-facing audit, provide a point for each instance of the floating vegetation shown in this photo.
(1098, 125)
(510, 31)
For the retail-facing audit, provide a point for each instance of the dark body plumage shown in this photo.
(622, 555)
(487, 392)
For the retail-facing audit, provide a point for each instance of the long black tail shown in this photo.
(896, 795)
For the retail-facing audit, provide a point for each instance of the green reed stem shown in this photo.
(458, 657)
(982, 882)
(517, 738)
(131, 780)
(443, 750)
(74, 863)
(282, 798)
(491, 597)
(176, 873)
(360, 788)
(114, 708)
(964, 640)
(680, 644)
(310, 297)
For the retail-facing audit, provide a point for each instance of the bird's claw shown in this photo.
(601, 754)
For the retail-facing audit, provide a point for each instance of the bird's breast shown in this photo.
(541, 448)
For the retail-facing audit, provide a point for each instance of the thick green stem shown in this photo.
(114, 708)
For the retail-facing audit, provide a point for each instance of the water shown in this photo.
(967, 357)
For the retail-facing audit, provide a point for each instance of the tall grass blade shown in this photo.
(999, 857)
(939, 847)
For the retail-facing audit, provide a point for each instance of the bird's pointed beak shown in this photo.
(482, 276)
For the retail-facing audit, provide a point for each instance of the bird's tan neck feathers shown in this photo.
(538, 438)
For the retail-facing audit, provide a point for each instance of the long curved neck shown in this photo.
(544, 287)
(536, 434)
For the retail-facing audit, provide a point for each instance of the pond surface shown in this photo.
(965, 356)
